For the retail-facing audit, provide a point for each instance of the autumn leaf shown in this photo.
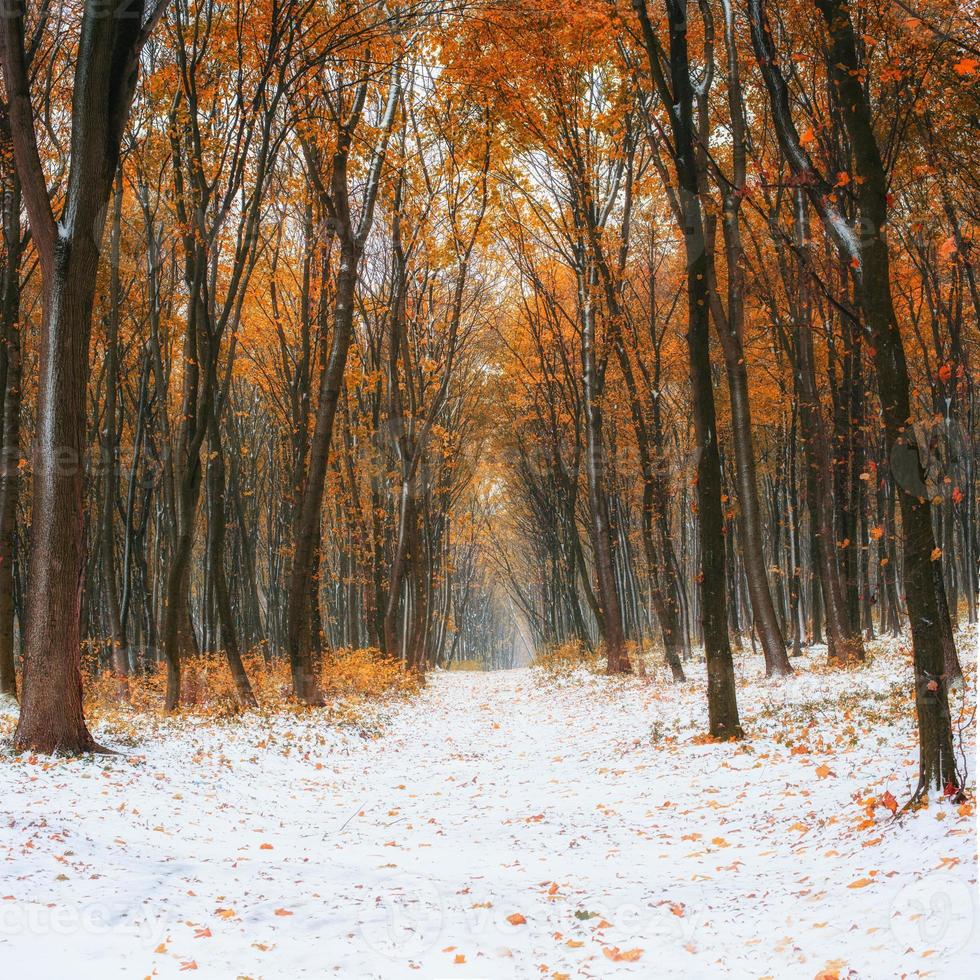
(516, 919)
(831, 970)
(823, 771)
(283, 912)
(889, 802)
(966, 66)
(617, 955)
(459, 958)
(860, 883)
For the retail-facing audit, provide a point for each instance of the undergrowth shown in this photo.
(207, 688)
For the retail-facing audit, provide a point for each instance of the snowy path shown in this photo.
(500, 827)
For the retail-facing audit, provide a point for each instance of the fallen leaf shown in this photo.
(617, 955)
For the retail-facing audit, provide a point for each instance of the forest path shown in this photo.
(500, 827)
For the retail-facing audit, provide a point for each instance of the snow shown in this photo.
(586, 807)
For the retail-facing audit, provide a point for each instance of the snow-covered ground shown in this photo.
(501, 826)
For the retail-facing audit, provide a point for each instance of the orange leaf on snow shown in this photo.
(823, 771)
(516, 919)
(860, 883)
(459, 958)
(283, 912)
(888, 801)
(191, 965)
(617, 955)
(265, 847)
(831, 970)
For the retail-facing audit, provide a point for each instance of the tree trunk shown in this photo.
(678, 99)
(10, 374)
(110, 459)
(311, 505)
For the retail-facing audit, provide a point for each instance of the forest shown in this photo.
(556, 406)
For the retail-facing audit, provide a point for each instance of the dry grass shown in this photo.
(207, 688)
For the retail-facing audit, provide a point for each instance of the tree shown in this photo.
(105, 73)
(868, 252)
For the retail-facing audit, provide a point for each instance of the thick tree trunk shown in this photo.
(51, 717)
